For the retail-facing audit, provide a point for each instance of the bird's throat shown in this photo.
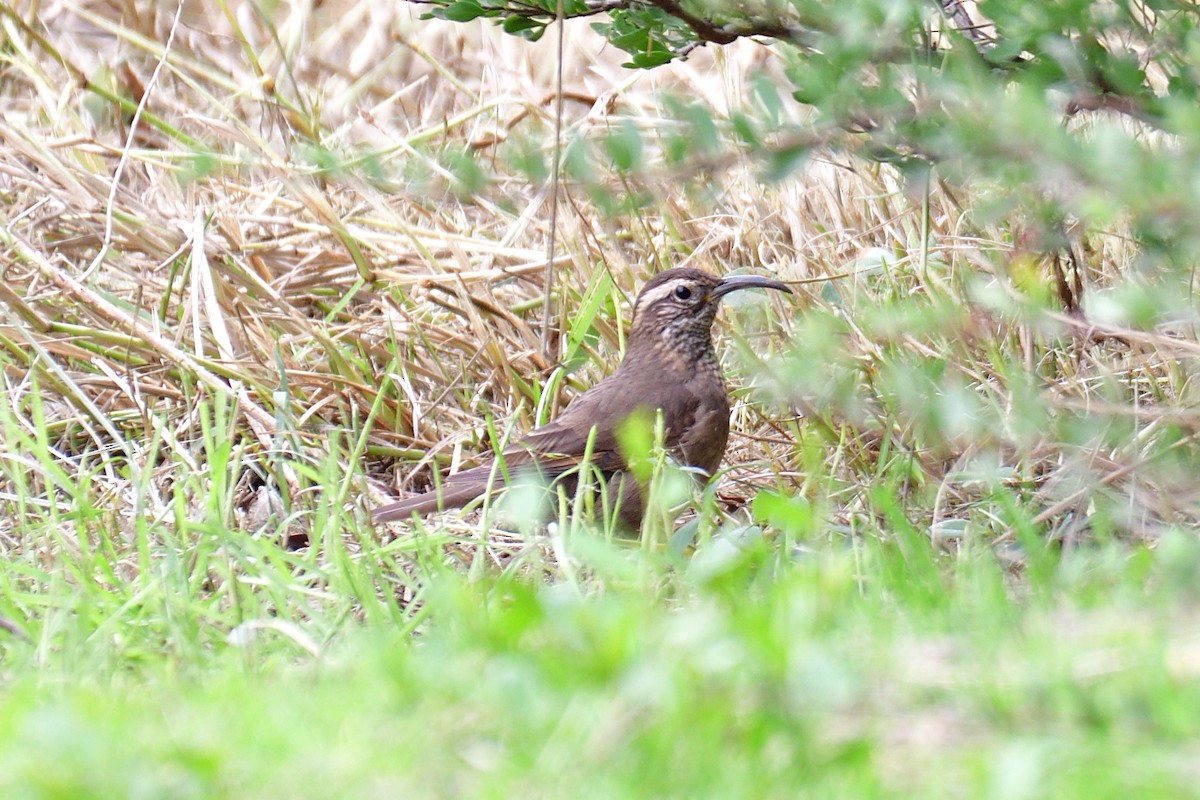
(678, 354)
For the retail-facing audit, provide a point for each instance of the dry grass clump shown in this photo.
(264, 233)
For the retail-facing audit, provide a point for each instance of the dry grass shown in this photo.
(273, 221)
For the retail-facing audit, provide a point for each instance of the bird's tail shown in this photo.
(452, 494)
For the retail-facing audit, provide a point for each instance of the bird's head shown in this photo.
(676, 308)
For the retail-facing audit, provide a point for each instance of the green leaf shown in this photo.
(649, 60)
(469, 178)
(702, 128)
(743, 126)
(581, 329)
(526, 156)
(675, 147)
(791, 513)
(635, 40)
(767, 95)
(624, 146)
(636, 439)
(460, 11)
(576, 164)
(783, 163)
(525, 27)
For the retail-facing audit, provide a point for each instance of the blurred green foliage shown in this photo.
(1002, 97)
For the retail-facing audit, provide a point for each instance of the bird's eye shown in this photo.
(683, 293)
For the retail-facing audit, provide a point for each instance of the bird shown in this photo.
(670, 367)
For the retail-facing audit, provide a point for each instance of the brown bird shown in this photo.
(669, 366)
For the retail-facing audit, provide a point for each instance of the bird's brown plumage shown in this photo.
(669, 365)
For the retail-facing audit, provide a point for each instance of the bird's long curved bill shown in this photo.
(733, 283)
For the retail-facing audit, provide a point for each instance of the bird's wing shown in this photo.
(558, 445)
(601, 408)
(688, 414)
(553, 449)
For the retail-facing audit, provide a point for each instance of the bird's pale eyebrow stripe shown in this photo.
(657, 293)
